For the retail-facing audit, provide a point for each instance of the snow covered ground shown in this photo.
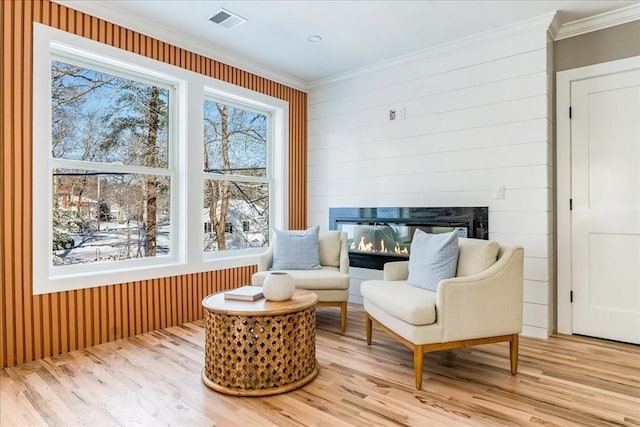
(110, 243)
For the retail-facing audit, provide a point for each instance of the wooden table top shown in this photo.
(300, 300)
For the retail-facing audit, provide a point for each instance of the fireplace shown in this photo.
(380, 235)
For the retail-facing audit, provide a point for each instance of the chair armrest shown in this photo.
(396, 270)
(344, 254)
(265, 259)
(484, 304)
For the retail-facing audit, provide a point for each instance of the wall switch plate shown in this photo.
(500, 192)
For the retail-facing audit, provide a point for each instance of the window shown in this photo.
(122, 192)
(237, 177)
(111, 168)
(208, 227)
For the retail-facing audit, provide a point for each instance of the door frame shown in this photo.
(563, 178)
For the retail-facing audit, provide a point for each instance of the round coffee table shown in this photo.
(260, 348)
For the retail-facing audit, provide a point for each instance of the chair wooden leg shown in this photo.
(343, 316)
(513, 352)
(418, 358)
(367, 327)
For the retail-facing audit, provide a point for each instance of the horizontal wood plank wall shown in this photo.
(32, 327)
(477, 117)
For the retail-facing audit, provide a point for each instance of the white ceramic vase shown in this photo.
(278, 286)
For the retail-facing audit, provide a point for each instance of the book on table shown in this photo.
(244, 293)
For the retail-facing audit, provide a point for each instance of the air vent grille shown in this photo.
(227, 19)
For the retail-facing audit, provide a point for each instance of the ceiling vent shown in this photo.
(227, 19)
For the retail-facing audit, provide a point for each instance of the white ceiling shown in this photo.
(355, 34)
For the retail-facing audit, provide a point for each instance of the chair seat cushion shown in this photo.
(410, 304)
(324, 278)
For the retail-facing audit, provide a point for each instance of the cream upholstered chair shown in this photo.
(481, 305)
(330, 282)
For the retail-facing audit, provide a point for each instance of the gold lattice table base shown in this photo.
(259, 354)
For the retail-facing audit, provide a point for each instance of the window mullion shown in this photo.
(109, 167)
(236, 178)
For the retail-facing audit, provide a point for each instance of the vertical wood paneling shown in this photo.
(103, 314)
(38, 326)
(72, 319)
(6, 310)
(18, 129)
(54, 338)
(80, 320)
(25, 242)
(4, 48)
(64, 323)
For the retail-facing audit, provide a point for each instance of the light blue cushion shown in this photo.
(296, 249)
(433, 258)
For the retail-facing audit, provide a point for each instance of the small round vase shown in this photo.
(278, 286)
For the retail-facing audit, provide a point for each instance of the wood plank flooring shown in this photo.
(154, 379)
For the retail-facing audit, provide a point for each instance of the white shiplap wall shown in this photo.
(478, 116)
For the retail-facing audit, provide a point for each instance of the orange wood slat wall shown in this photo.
(33, 327)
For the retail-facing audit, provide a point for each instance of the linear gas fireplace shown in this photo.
(380, 235)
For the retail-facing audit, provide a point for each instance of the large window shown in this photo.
(144, 170)
(237, 176)
(110, 165)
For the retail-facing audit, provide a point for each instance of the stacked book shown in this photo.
(245, 293)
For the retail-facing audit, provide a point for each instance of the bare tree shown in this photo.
(234, 144)
(219, 190)
(74, 130)
(71, 87)
(150, 157)
(138, 134)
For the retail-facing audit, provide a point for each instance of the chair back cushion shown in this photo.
(329, 248)
(475, 256)
(433, 258)
(296, 249)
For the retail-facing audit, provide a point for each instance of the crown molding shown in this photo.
(541, 22)
(554, 26)
(153, 29)
(598, 22)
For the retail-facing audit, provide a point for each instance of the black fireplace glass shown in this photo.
(380, 235)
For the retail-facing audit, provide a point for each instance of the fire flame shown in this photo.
(403, 251)
(364, 246)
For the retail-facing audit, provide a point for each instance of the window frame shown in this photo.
(213, 95)
(170, 171)
(187, 255)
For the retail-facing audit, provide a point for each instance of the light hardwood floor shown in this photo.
(154, 379)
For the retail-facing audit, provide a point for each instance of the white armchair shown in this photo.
(330, 282)
(482, 305)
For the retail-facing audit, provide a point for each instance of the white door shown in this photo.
(605, 187)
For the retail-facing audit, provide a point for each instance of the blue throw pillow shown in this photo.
(296, 249)
(433, 258)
